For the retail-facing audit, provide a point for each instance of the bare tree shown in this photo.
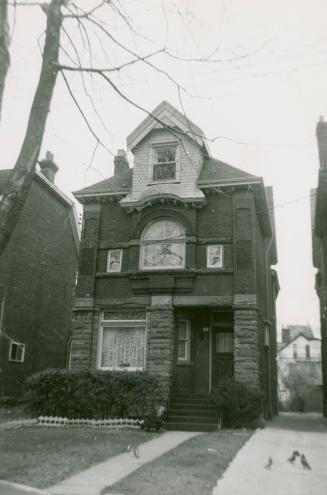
(60, 15)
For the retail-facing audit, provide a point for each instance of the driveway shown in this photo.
(247, 475)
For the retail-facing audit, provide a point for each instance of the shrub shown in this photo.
(92, 394)
(238, 405)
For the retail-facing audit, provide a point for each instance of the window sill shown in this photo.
(120, 368)
(185, 363)
(166, 181)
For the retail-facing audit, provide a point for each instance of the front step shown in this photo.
(191, 412)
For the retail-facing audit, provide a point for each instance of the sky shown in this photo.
(257, 96)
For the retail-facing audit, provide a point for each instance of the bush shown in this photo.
(238, 405)
(92, 394)
(10, 401)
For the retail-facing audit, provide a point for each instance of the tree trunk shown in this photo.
(17, 188)
(4, 48)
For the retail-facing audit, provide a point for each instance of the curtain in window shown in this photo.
(123, 346)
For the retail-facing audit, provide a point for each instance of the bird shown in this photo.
(136, 452)
(269, 463)
(304, 462)
(294, 455)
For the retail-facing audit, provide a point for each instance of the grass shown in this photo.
(43, 456)
(12, 413)
(191, 469)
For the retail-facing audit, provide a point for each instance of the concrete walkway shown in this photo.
(94, 479)
(290, 431)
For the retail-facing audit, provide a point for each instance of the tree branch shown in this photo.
(83, 115)
(4, 48)
(20, 179)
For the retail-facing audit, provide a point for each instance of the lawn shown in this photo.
(43, 456)
(191, 469)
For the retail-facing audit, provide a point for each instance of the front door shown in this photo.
(222, 354)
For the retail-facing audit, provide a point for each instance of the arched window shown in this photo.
(163, 246)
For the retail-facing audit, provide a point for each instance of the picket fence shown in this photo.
(103, 423)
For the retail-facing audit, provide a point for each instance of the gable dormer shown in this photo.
(169, 151)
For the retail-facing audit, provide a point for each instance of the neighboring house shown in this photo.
(37, 278)
(319, 244)
(175, 266)
(300, 353)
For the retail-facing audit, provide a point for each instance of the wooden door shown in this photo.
(222, 355)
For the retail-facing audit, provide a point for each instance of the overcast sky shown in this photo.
(263, 104)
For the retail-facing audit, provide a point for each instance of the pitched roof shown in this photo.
(285, 344)
(116, 183)
(166, 114)
(215, 170)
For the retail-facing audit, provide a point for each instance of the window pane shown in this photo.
(164, 230)
(215, 256)
(182, 349)
(182, 330)
(164, 171)
(123, 347)
(165, 154)
(163, 254)
(224, 342)
(114, 260)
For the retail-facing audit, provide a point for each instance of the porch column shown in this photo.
(160, 340)
(246, 334)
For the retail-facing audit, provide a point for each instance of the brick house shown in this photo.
(319, 243)
(175, 268)
(299, 354)
(37, 277)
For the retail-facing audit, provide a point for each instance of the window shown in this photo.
(184, 341)
(215, 256)
(224, 342)
(307, 352)
(164, 162)
(163, 246)
(294, 351)
(114, 260)
(16, 352)
(122, 345)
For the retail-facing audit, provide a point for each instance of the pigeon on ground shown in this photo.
(294, 455)
(136, 452)
(304, 462)
(269, 463)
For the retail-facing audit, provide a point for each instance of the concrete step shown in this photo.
(175, 418)
(175, 411)
(173, 426)
(193, 406)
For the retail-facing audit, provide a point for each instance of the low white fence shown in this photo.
(102, 423)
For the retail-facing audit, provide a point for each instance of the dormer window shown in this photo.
(164, 162)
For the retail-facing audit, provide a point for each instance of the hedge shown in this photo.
(238, 405)
(92, 394)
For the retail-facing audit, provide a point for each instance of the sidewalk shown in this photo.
(94, 479)
(290, 431)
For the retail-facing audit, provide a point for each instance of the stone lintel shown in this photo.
(181, 300)
(161, 300)
(243, 301)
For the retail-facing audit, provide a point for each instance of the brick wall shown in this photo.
(38, 271)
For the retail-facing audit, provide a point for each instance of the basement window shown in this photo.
(16, 352)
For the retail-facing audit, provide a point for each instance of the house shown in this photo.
(175, 269)
(299, 355)
(38, 271)
(319, 245)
